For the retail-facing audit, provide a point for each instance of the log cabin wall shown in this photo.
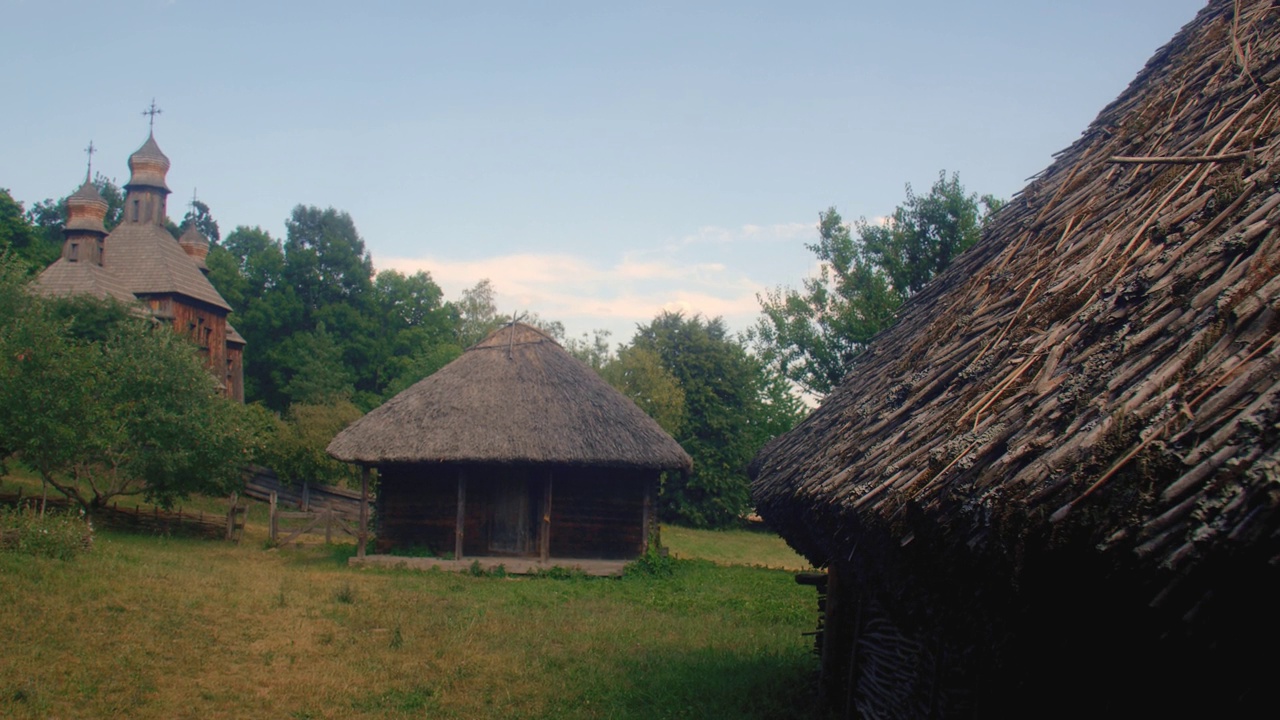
(596, 513)
(599, 513)
(416, 507)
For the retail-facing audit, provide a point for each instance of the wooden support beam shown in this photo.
(647, 514)
(364, 510)
(544, 530)
(462, 515)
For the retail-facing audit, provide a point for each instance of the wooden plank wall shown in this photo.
(595, 513)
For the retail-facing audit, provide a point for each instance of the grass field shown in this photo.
(154, 627)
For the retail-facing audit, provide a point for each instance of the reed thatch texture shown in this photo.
(1103, 367)
(515, 397)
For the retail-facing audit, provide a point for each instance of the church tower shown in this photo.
(146, 191)
(84, 231)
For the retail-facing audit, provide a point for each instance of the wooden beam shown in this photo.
(647, 515)
(462, 515)
(364, 510)
(544, 530)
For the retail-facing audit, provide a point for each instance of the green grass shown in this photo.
(155, 627)
(733, 547)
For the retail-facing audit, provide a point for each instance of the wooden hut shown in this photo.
(517, 453)
(1051, 488)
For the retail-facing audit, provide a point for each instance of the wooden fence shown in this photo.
(228, 525)
(330, 519)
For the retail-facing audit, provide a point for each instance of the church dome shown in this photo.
(195, 244)
(148, 166)
(86, 209)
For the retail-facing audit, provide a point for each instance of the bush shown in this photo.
(57, 534)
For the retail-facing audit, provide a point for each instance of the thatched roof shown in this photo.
(515, 397)
(1103, 367)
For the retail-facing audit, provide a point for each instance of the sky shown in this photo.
(599, 162)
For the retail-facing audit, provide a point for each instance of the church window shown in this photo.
(73, 254)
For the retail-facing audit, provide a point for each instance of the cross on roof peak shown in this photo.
(151, 114)
(88, 173)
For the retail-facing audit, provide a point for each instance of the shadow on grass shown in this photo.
(707, 683)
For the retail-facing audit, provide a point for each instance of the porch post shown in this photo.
(647, 517)
(544, 532)
(364, 510)
(462, 515)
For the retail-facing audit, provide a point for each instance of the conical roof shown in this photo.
(148, 166)
(195, 244)
(515, 397)
(86, 209)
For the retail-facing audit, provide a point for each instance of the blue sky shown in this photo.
(597, 161)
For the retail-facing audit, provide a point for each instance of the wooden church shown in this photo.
(140, 262)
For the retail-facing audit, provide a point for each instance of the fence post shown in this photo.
(328, 526)
(274, 524)
(231, 516)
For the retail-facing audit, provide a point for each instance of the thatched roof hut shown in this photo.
(1056, 476)
(516, 449)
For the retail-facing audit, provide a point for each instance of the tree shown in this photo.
(637, 372)
(866, 272)
(592, 349)
(20, 237)
(477, 314)
(297, 450)
(721, 384)
(200, 216)
(133, 413)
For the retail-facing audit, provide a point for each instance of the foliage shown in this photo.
(477, 314)
(133, 412)
(55, 534)
(727, 416)
(866, 272)
(19, 236)
(297, 450)
(591, 349)
(200, 216)
(638, 373)
(319, 324)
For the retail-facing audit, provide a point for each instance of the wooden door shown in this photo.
(512, 527)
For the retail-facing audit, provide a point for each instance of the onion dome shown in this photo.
(148, 166)
(195, 244)
(86, 210)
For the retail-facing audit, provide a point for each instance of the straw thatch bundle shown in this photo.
(515, 397)
(1101, 370)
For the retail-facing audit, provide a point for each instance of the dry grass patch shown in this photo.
(172, 628)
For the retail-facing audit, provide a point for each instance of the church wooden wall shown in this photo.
(207, 328)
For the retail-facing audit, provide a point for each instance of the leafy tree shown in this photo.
(866, 272)
(19, 236)
(477, 313)
(326, 259)
(637, 372)
(722, 429)
(309, 369)
(200, 216)
(591, 349)
(297, 449)
(133, 413)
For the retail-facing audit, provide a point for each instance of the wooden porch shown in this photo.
(511, 565)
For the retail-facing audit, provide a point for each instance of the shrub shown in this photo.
(56, 534)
